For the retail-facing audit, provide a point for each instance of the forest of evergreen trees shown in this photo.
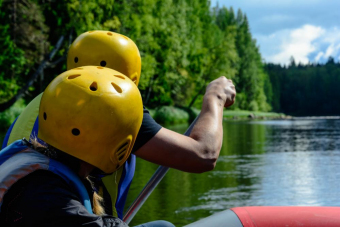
(184, 45)
(305, 90)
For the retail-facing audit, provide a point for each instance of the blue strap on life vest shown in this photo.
(124, 184)
(72, 179)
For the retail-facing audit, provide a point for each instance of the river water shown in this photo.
(262, 163)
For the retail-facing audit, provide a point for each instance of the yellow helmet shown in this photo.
(92, 113)
(107, 49)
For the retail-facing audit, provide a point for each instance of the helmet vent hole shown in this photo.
(99, 67)
(103, 63)
(79, 68)
(121, 151)
(120, 158)
(134, 79)
(76, 59)
(75, 132)
(45, 116)
(94, 86)
(117, 88)
(119, 76)
(109, 33)
(73, 76)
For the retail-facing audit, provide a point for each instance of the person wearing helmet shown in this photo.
(44, 183)
(104, 49)
(196, 153)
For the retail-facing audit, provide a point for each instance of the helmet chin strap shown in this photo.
(77, 165)
(27, 143)
(85, 169)
(45, 150)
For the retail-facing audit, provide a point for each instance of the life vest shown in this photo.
(17, 161)
(117, 184)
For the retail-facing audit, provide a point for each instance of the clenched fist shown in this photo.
(223, 89)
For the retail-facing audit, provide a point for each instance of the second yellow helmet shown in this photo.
(107, 49)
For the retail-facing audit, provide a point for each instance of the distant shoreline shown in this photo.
(252, 115)
(170, 115)
(317, 118)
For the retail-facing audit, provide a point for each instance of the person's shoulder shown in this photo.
(44, 184)
(147, 131)
(149, 125)
(145, 111)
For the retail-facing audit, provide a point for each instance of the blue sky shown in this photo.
(308, 30)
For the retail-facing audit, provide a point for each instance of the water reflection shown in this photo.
(269, 163)
(262, 163)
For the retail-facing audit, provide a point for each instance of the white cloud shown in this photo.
(299, 44)
(331, 40)
(330, 50)
(333, 50)
(320, 55)
(307, 30)
(283, 44)
(333, 35)
(308, 43)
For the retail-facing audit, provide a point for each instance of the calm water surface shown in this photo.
(269, 163)
(262, 163)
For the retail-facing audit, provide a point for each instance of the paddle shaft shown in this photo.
(150, 186)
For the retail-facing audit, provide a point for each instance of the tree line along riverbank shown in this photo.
(164, 115)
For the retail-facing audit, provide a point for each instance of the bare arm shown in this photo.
(198, 152)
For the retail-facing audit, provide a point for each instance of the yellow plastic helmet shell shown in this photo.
(92, 113)
(106, 49)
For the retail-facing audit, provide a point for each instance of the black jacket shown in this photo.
(45, 199)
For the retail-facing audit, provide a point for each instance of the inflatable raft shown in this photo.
(273, 217)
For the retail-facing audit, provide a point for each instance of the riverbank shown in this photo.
(165, 115)
(169, 115)
(245, 114)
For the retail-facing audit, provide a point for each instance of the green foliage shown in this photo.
(9, 115)
(184, 45)
(23, 42)
(167, 115)
(12, 61)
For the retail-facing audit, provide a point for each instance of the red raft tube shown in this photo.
(273, 217)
